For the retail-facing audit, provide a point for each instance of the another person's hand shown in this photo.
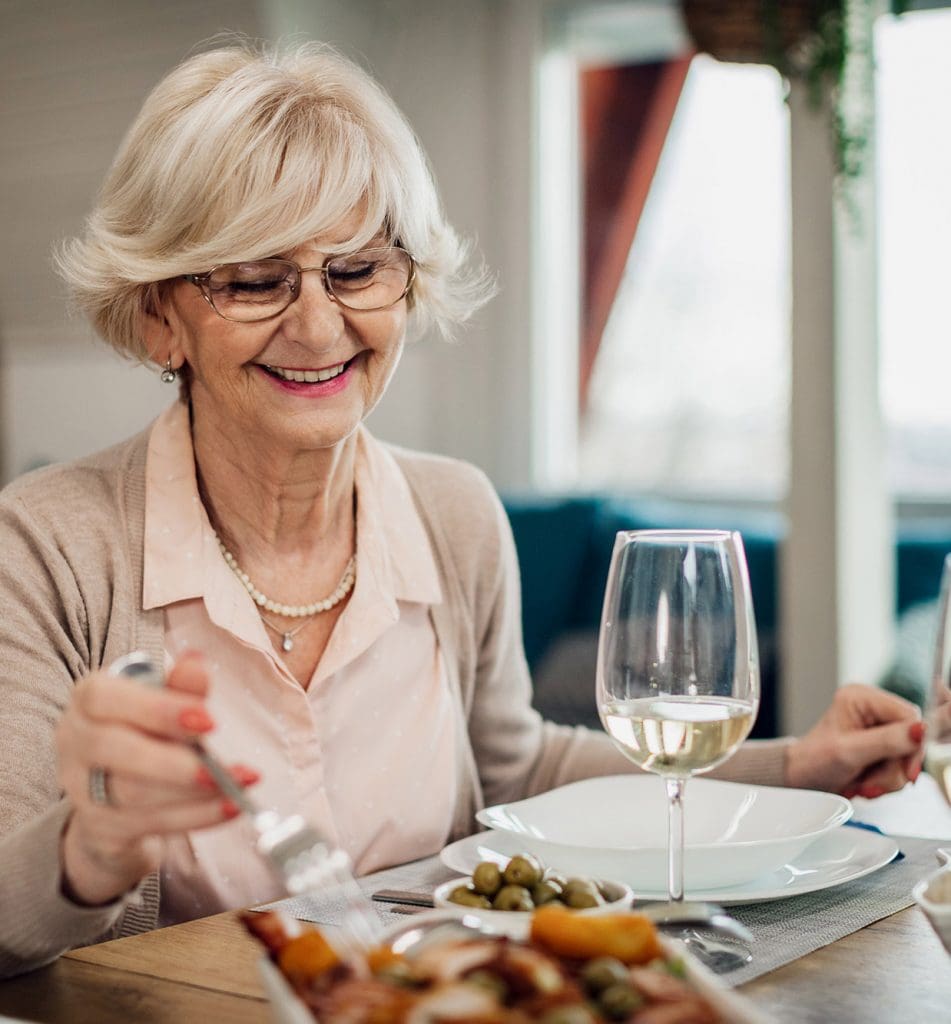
(868, 742)
(154, 782)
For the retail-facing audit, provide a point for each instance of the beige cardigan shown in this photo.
(71, 539)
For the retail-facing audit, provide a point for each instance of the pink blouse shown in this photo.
(367, 752)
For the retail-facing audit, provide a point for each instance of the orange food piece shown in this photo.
(630, 938)
(381, 957)
(363, 1001)
(306, 956)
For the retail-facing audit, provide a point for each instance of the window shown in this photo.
(914, 165)
(688, 394)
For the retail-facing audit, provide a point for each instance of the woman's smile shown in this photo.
(322, 382)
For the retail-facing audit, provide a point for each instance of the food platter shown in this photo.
(288, 1008)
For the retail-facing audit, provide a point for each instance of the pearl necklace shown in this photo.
(291, 611)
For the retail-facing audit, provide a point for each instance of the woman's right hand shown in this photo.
(867, 743)
(156, 783)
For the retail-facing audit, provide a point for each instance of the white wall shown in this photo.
(64, 401)
(72, 77)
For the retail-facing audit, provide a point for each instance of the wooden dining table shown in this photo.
(206, 970)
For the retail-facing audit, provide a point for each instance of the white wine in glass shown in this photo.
(678, 671)
(938, 716)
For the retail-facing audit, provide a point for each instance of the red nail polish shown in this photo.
(229, 809)
(916, 732)
(914, 775)
(872, 792)
(196, 720)
(203, 778)
(245, 776)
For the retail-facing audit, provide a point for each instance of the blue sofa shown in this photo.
(564, 547)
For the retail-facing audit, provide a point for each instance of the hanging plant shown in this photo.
(806, 40)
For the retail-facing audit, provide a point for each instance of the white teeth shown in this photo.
(309, 376)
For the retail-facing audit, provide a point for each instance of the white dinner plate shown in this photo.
(838, 857)
(734, 832)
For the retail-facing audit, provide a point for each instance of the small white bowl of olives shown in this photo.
(511, 893)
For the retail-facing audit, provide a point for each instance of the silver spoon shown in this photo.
(707, 915)
(720, 955)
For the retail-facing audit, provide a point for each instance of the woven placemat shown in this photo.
(788, 929)
(784, 929)
(420, 876)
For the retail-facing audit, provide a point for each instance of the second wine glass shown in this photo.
(678, 671)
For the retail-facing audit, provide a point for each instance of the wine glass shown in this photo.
(938, 714)
(678, 671)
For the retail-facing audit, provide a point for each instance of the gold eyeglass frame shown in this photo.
(200, 281)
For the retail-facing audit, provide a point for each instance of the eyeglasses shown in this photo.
(260, 289)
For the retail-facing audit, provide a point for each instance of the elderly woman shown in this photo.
(340, 615)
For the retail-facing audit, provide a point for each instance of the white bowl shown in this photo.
(515, 922)
(933, 895)
(616, 827)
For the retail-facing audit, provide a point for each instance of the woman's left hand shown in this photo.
(868, 742)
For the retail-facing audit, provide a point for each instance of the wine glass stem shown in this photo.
(675, 839)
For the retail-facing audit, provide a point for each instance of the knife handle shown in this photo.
(407, 898)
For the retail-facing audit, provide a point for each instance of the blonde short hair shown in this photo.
(245, 152)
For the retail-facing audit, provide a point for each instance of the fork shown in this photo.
(296, 852)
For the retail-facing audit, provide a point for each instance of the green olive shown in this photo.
(618, 1002)
(677, 969)
(513, 897)
(607, 891)
(490, 983)
(573, 1013)
(398, 973)
(580, 883)
(602, 972)
(545, 891)
(581, 894)
(557, 877)
(523, 870)
(467, 897)
(487, 878)
(577, 899)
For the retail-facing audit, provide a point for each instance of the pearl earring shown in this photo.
(168, 374)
